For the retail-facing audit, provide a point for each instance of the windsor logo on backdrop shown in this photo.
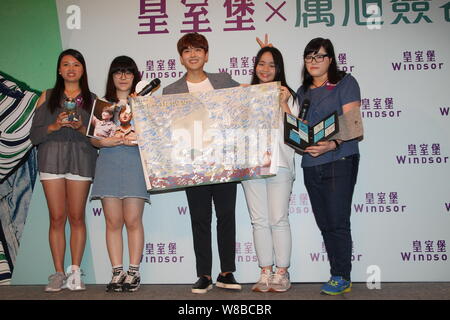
(418, 60)
(377, 108)
(245, 252)
(162, 68)
(299, 203)
(344, 63)
(444, 111)
(239, 66)
(422, 154)
(322, 255)
(426, 251)
(380, 202)
(97, 212)
(183, 210)
(162, 253)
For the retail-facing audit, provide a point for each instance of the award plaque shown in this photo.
(70, 107)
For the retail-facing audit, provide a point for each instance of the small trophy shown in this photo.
(70, 107)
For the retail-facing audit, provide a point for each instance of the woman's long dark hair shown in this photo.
(279, 67)
(121, 63)
(58, 89)
(334, 74)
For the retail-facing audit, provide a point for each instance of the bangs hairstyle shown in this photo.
(57, 93)
(192, 40)
(334, 74)
(279, 67)
(121, 63)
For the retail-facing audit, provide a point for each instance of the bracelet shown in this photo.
(336, 143)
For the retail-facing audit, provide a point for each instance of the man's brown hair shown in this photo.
(192, 40)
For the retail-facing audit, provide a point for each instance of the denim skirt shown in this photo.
(119, 174)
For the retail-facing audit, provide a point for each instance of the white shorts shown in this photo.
(68, 176)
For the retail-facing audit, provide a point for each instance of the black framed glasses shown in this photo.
(318, 58)
(126, 73)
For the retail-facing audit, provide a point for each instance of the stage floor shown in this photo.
(299, 291)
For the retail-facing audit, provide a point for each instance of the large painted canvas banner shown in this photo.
(209, 137)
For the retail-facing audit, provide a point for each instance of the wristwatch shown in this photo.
(336, 143)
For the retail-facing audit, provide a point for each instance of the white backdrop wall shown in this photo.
(399, 53)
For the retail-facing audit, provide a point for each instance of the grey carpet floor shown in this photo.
(299, 291)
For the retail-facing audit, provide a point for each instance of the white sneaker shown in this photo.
(263, 283)
(280, 282)
(74, 282)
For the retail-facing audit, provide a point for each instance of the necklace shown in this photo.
(323, 83)
(72, 93)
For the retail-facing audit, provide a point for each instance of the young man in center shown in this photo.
(193, 50)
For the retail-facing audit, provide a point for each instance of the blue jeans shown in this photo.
(330, 188)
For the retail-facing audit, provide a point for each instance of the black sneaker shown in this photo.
(203, 285)
(132, 282)
(116, 281)
(228, 282)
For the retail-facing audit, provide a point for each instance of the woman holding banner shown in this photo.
(330, 167)
(66, 163)
(119, 181)
(268, 199)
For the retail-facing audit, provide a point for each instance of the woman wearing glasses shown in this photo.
(119, 181)
(330, 168)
